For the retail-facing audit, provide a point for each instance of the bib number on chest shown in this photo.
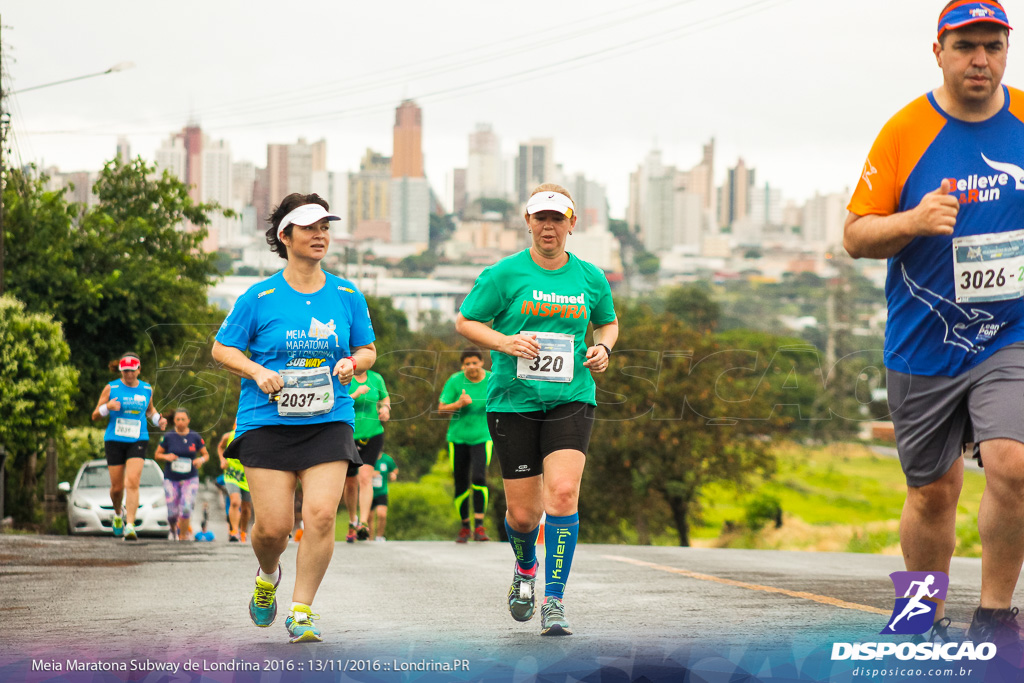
(554, 363)
(181, 466)
(989, 267)
(378, 481)
(306, 393)
(131, 429)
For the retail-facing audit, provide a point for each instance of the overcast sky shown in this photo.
(797, 88)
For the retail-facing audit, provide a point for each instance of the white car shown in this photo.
(90, 510)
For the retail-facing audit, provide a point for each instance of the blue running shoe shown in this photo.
(552, 616)
(263, 605)
(520, 596)
(130, 533)
(118, 525)
(301, 627)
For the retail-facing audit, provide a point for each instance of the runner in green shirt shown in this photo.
(384, 471)
(240, 510)
(373, 408)
(464, 397)
(541, 396)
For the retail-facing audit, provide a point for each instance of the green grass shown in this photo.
(836, 497)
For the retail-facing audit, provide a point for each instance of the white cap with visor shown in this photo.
(550, 201)
(307, 214)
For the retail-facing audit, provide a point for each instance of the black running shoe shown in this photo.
(997, 626)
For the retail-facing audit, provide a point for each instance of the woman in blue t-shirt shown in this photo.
(306, 332)
(183, 453)
(128, 402)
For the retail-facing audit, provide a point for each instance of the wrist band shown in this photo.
(353, 359)
(155, 419)
(103, 410)
(607, 350)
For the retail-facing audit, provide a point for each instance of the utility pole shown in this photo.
(4, 120)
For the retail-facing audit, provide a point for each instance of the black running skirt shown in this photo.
(292, 448)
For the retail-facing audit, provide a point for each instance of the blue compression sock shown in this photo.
(524, 545)
(560, 534)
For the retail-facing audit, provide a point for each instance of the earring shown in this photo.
(530, 231)
(570, 232)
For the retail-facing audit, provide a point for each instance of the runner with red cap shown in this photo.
(940, 198)
(128, 402)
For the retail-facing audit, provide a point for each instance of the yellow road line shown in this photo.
(824, 599)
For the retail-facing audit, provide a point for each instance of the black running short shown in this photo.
(523, 440)
(370, 449)
(118, 452)
(378, 501)
(293, 448)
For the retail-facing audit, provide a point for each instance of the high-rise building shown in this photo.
(409, 201)
(368, 198)
(484, 171)
(460, 197)
(407, 161)
(534, 166)
(734, 201)
(299, 167)
(824, 218)
(124, 150)
(667, 206)
(764, 211)
(205, 167)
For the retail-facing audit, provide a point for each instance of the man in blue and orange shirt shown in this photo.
(941, 197)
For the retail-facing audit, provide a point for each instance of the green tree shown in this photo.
(694, 305)
(120, 275)
(38, 385)
(441, 229)
(682, 409)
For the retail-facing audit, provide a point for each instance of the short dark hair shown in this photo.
(470, 352)
(292, 201)
(182, 410)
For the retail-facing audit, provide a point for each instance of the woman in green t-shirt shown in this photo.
(541, 396)
(373, 409)
(464, 397)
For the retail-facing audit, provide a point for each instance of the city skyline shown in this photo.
(771, 80)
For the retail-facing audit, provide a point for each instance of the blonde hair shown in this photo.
(552, 187)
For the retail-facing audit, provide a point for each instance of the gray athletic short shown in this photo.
(235, 488)
(935, 416)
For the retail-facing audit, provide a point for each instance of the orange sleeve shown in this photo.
(898, 148)
(1016, 103)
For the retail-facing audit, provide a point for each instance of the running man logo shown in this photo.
(916, 593)
(318, 330)
(869, 171)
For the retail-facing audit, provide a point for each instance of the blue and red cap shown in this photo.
(967, 12)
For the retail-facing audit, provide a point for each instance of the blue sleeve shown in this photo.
(361, 333)
(164, 444)
(240, 325)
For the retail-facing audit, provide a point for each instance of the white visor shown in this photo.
(307, 214)
(550, 201)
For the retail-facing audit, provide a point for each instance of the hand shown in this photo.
(521, 346)
(344, 370)
(936, 214)
(223, 463)
(163, 423)
(362, 389)
(113, 404)
(597, 359)
(465, 399)
(198, 462)
(170, 457)
(268, 381)
(384, 413)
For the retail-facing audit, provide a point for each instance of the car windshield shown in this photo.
(96, 477)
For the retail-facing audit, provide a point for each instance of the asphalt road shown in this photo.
(417, 601)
